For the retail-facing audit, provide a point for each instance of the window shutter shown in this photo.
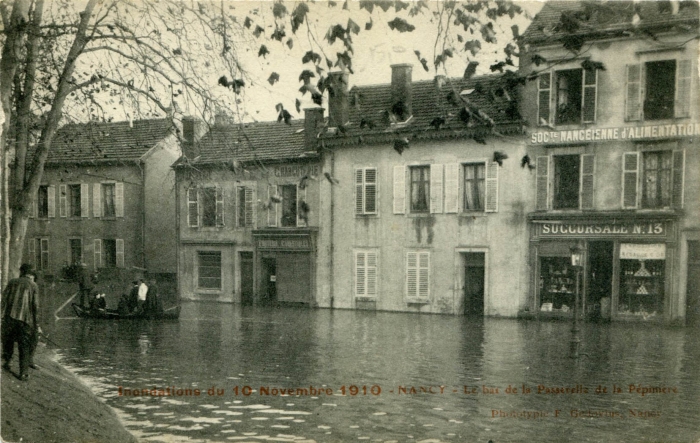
(634, 93)
(399, 189)
(590, 81)
(97, 200)
(359, 191)
(678, 171)
(424, 274)
(630, 165)
(684, 75)
(119, 199)
(192, 208)
(272, 210)
(491, 187)
(371, 274)
(412, 274)
(44, 246)
(120, 252)
(97, 253)
(544, 93)
(62, 210)
(452, 188)
(52, 201)
(436, 171)
(371, 193)
(84, 200)
(31, 243)
(360, 275)
(219, 206)
(249, 207)
(587, 174)
(542, 182)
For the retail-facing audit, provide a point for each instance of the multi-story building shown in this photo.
(428, 208)
(614, 121)
(248, 211)
(107, 199)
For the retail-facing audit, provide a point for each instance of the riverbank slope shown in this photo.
(54, 406)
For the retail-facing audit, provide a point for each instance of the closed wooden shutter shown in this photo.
(119, 199)
(399, 189)
(44, 250)
(97, 253)
(542, 182)
(360, 273)
(372, 274)
(249, 207)
(491, 204)
(52, 201)
(630, 167)
(84, 200)
(684, 75)
(359, 191)
(219, 206)
(97, 200)
(418, 274)
(192, 208)
(678, 176)
(634, 92)
(544, 88)
(590, 80)
(587, 179)
(62, 200)
(371, 193)
(452, 188)
(436, 171)
(120, 252)
(412, 274)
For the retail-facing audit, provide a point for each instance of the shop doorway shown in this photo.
(692, 299)
(269, 281)
(246, 267)
(600, 279)
(474, 283)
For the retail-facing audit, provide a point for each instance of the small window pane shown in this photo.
(420, 188)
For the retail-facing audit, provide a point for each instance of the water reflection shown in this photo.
(438, 377)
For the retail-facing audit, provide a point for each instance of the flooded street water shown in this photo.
(406, 377)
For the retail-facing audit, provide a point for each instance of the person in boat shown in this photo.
(154, 305)
(133, 297)
(99, 304)
(142, 292)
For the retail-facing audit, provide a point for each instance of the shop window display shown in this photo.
(557, 284)
(641, 288)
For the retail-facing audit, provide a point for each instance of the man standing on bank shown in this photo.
(20, 310)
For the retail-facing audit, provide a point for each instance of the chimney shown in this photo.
(193, 129)
(223, 119)
(338, 113)
(313, 121)
(401, 91)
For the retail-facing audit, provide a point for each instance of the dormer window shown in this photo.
(567, 97)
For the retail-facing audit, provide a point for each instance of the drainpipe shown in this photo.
(177, 236)
(332, 248)
(142, 167)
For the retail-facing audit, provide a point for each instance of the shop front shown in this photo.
(626, 272)
(285, 262)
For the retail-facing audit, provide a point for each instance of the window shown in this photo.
(418, 274)
(39, 252)
(289, 205)
(474, 186)
(570, 93)
(75, 199)
(420, 188)
(109, 250)
(245, 207)
(75, 246)
(365, 191)
(108, 200)
(209, 270)
(43, 202)
(565, 181)
(661, 173)
(659, 90)
(366, 273)
(205, 206)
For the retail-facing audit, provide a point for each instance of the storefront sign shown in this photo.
(301, 243)
(619, 133)
(296, 170)
(630, 251)
(655, 229)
